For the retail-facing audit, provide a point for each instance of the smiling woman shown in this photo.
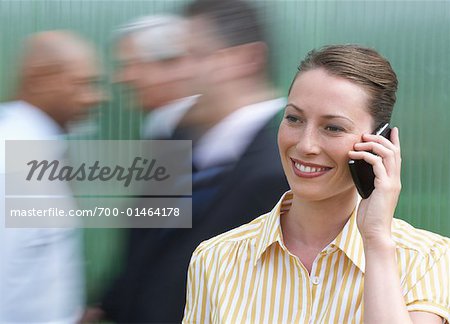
(323, 255)
(323, 121)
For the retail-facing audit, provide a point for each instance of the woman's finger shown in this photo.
(388, 156)
(376, 161)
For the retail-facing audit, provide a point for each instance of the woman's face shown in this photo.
(325, 116)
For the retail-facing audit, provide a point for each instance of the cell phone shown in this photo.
(362, 172)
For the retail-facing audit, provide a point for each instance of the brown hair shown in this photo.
(363, 66)
(236, 21)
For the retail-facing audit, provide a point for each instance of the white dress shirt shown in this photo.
(227, 141)
(161, 122)
(41, 274)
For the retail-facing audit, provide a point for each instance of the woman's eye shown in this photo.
(334, 129)
(292, 119)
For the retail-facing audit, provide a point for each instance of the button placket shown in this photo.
(315, 280)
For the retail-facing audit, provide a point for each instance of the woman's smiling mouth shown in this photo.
(308, 170)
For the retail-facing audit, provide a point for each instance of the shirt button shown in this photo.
(315, 280)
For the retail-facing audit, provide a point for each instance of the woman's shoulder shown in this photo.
(419, 241)
(242, 235)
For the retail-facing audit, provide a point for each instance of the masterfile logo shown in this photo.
(98, 184)
(157, 168)
(140, 169)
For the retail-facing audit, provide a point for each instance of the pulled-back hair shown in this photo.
(362, 66)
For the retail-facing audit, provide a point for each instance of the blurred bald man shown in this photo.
(41, 270)
(58, 76)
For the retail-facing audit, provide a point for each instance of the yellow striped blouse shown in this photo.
(247, 275)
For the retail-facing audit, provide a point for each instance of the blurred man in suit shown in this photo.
(41, 271)
(236, 169)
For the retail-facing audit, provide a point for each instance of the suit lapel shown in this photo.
(265, 140)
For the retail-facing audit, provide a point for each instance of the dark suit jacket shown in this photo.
(152, 287)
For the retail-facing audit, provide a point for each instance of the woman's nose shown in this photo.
(309, 142)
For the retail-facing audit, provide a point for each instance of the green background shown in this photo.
(414, 36)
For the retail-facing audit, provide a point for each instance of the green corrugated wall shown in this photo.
(414, 36)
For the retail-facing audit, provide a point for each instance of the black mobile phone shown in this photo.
(362, 172)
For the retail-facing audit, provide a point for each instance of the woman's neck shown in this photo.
(315, 224)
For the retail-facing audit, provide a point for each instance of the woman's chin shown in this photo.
(306, 194)
(318, 193)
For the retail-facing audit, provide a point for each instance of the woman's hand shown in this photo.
(375, 213)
